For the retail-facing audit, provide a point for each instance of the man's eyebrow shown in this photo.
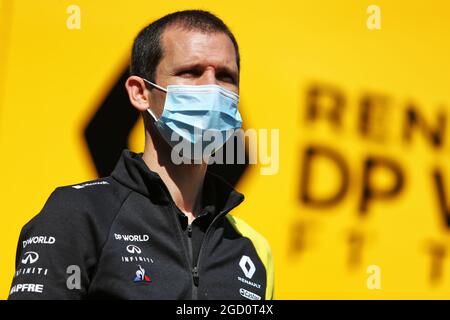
(230, 71)
(188, 66)
(199, 66)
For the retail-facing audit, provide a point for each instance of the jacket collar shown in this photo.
(133, 172)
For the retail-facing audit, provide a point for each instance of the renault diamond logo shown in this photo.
(245, 260)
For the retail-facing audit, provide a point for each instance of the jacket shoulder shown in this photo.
(262, 248)
(70, 230)
(83, 204)
(244, 229)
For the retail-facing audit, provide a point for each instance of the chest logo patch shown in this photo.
(141, 276)
(247, 266)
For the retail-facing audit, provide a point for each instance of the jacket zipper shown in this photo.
(194, 267)
(194, 270)
(188, 256)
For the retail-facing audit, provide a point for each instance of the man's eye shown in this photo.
(187, 73)
(226, 78)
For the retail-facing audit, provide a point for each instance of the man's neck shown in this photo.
(184, 181)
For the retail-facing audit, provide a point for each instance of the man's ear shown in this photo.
(138, 93)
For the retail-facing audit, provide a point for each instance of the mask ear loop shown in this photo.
(155, 85)
(152, 114)
(158, 87)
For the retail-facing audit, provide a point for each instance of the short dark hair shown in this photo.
(147, 51)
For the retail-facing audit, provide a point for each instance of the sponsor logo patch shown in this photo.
(88, 184)
(132, 237)
(27, 287)
(249, 295)
(141, 276)
(135, 252)
(30, 257)
(39, 240)
(31, 270)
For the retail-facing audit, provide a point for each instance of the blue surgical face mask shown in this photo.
(196, 112)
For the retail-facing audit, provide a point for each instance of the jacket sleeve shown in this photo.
(56, 254)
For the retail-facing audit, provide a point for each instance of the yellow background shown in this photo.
(52, 79)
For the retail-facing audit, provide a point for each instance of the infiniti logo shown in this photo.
(30, 257)
(133, 249)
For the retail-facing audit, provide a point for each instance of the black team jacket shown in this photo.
(123, 237)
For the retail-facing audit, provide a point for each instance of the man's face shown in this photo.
(194, 58)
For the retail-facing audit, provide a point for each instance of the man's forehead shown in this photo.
(184, 47)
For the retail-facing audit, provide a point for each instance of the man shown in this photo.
(156, 229)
